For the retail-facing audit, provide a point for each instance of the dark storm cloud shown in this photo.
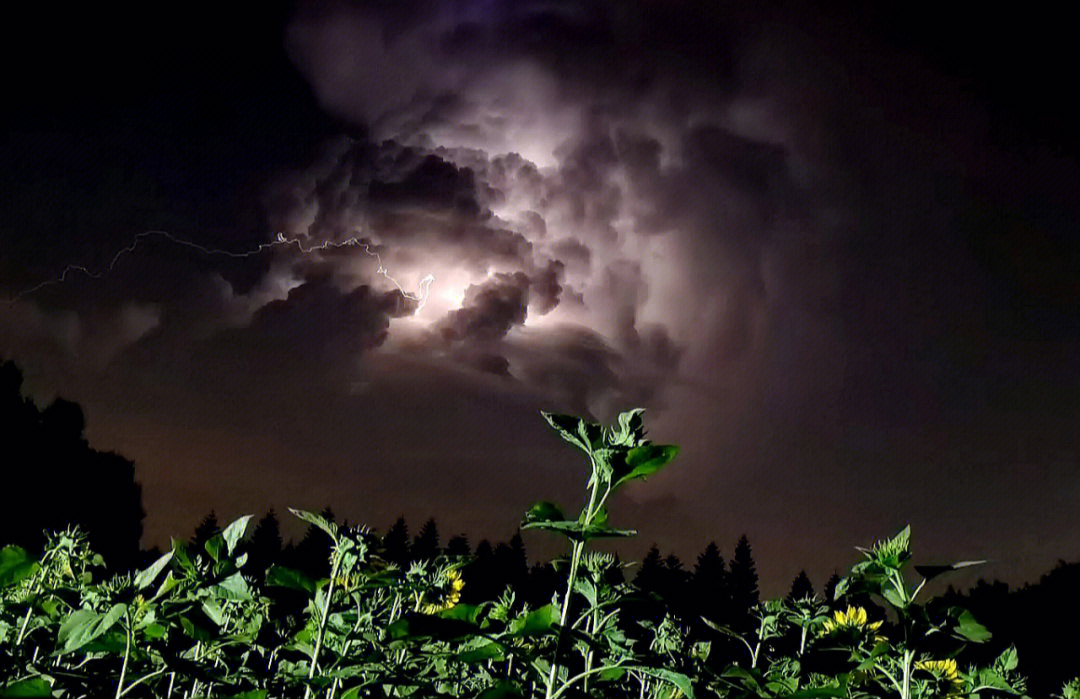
(400, 196)
(489, 309)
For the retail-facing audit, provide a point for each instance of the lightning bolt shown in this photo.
(422, 297)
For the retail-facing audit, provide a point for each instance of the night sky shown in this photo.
(832, 251)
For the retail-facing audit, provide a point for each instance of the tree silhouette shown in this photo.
(481, 582)
(264, 549)
(512, 563)
(650, 576)
(426, 544)
(743, 584)
(673, 588)
(204, 532)
(800, 587)
(708, 585)
(61, 481)
(396, 543)
(830, 589)
(312, 554)
(458, 546)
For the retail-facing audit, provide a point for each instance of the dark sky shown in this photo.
(832, 251)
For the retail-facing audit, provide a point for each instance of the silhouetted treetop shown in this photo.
(800, 587)
(205, 531)
(743, 580)
(426, 543)
(47, 454)
(458, 546)
(396, 542)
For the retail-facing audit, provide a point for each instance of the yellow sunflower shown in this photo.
(943, 670)
(452, 597)
(853, 618)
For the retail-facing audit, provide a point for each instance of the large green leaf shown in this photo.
(33, 687)
(538, 621)
(84, 626)
(502, 690)
(233, 587)
(970, 629)
(234, 532)
(576, 531)
(488, 651)
(182, 557)
(544, 511)
(292, 579)
(145, 578)
(641, 462)
(16, 565)
(929, 572)
(214, 546)
(318, 520)
(463, 612)
(676, 678)
(567, 528)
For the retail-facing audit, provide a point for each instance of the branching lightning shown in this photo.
(422, 296)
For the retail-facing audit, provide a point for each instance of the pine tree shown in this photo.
(265, 546)
(800, 587)
(204, 532)
(649, 577)
(426, 544)
(313, 552)
(396, 543)
(708, 584)
(513, 563)
(458, 546)
(675, 585)
(830, 589)
(480, 575)
(744, 584)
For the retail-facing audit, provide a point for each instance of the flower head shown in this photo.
(455, 584)
(943, 670)
(853, 618)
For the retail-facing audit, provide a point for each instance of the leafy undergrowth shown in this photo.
(200, 624)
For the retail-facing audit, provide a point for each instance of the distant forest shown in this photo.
(53, 479)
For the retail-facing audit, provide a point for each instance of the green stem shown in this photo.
(582, 675)
(575, 559)
(322, 624)
(127, 654)
(590, 628)
(905, 693)
(142, 679)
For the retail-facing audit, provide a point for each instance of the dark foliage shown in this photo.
(743, 585)
(426, 544)
(396, 543)
(800, 587)
(55, 479)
